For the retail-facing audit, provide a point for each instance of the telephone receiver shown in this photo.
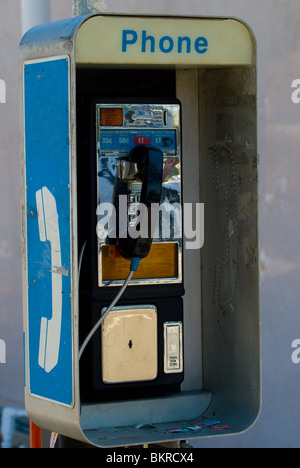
(140, 177)
(50, 330)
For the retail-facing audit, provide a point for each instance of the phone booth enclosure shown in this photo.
(215, 297)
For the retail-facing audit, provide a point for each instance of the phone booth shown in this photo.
(140, 240)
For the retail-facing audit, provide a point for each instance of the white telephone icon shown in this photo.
(50, 331)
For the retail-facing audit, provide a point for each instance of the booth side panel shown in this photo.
(47, 148)
(230, 294)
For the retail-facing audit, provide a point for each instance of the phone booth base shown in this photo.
(129, 422)
(113, 398)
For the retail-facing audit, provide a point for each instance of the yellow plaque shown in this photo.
(162, 262)
(147, 40)
(129, 345)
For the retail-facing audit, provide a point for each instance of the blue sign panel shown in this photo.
(46, 86)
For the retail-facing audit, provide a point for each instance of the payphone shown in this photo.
(136, 158)
(124, 323)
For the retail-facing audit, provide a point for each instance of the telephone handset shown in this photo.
(141, 174)
(142, 168)
(50, 331)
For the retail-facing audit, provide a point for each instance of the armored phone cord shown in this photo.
(133, 267)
